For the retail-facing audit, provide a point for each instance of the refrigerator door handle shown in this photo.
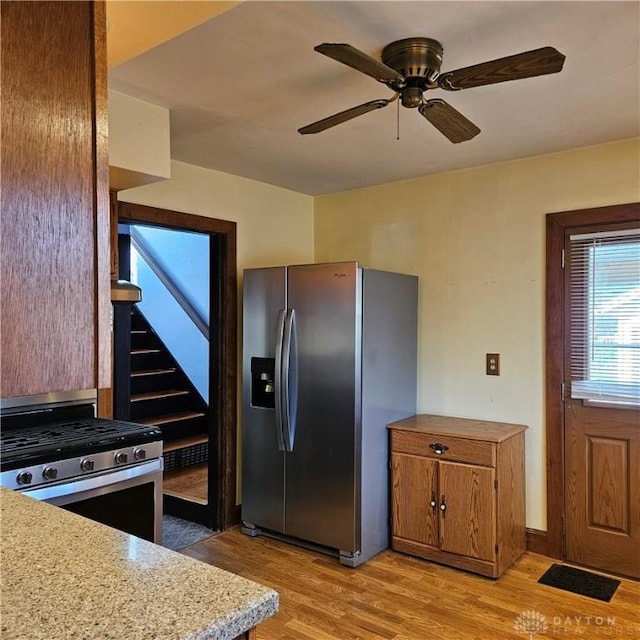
(278, 379)
(289, 380)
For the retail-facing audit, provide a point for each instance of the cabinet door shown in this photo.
(50, 300)
(468, 524)
(414, 484)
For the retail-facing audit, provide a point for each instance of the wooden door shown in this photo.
(603, 487)
(468, 522)
(414, 487)
(602, 403)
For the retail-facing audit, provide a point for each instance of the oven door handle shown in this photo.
(67, 491)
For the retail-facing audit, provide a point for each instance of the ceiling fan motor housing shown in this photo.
(418, 60)
(414, 58)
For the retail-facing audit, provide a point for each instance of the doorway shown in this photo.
(218, 509)
(592, 387)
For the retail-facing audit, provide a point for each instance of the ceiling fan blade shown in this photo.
(448, 121)
(538, 62)
(344, 116)
(362, 62)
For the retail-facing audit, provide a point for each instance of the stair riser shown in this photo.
(137, 323)
(160, 406)
(187, 457)
(144, 384)
(141, 340)
(145, 361)
(183, 429)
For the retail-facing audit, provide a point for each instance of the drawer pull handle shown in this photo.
(434, 503)
(443, 507)
(438, 448)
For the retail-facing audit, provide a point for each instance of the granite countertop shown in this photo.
(65, 577)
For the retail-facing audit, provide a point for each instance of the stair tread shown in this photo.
(151, 372)
(172, 417)
(164, 393)
(182, 443)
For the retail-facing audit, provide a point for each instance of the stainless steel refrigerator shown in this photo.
(329, 359)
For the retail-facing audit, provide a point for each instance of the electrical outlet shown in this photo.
(493, 364)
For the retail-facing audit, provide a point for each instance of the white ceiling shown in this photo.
(240, 85)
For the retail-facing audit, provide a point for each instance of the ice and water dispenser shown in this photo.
(262, 382)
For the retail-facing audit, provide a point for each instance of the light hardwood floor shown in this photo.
(189, 483)
(397, 597)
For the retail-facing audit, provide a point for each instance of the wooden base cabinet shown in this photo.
(457, 492)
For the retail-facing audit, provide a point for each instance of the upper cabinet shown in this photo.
(54, 247)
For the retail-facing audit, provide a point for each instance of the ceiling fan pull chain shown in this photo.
(397, 119)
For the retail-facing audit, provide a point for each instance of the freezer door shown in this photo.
(322, 499)
(263, 461)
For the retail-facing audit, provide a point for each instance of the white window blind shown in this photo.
(605, 316)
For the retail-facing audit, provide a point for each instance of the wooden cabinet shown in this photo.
(457, 492)
(54, 246)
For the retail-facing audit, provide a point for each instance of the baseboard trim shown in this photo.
(537, 541)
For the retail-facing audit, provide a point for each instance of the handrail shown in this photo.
(194, 315)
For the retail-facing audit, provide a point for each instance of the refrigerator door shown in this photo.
(323, 467)
(263, 463)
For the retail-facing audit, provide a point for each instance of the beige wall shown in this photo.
(139, 142)
(274, 225)
(476, 239)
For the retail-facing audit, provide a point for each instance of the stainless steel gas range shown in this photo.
(53, 448)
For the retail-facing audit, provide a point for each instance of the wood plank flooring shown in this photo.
(189, 483)
(397, 597)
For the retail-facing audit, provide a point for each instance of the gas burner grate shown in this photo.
(80, 435)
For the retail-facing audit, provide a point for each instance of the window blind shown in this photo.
(604, 310)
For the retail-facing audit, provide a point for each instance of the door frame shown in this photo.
(557, 224)
(223, 397)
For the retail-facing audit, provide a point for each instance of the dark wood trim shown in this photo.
(557, 225)
(224, 484)
(129, 212)
(536, 541)
(101, 197)
(553, 384)
(236, 516)
(105, 395)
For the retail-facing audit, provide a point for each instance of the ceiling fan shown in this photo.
(411, 66)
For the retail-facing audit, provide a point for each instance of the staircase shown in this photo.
(162, 395)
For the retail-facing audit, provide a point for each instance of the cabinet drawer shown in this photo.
(458, 449)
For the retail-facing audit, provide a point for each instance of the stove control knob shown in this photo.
(86, 464)
(24, 477)
(121, 457)
(50, 473)
(139, 454)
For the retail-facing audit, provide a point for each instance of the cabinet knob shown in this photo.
(443, 507)
(438, 448)
(434, 502)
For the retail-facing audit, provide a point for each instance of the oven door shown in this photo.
(128, 499)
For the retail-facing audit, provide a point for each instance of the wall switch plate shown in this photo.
(493, 364)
